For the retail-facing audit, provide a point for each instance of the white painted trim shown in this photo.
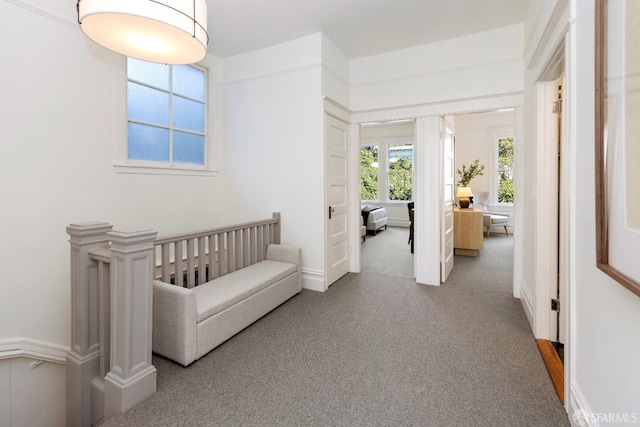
(335, 74)
(433, 73)
(442, 107)
(527, 301)
(46, 14)
(387, 140)
(274, 74)
(559, 13)
(313, 280)
(355, 213)
(428, 176)
(577, 402)
(518, 210)
(570, 232)
(33, 349)
(337, 110)
(151, 170)
(546, 205)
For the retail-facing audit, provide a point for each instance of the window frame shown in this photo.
(125, 165)
(383, 145)
(494, 180)
(378, 170)
(389, 174)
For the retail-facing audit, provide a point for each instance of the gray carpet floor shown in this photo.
(388, 253)
(374, 350)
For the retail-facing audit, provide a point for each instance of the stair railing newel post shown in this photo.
(83, 361)
(132, 377)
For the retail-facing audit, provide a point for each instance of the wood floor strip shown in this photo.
(554, 365)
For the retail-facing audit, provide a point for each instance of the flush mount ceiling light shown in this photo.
(167, 32)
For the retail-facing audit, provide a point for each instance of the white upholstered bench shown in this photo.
(189, 323)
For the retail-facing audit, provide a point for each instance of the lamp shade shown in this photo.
(464, 192)
(167, 31)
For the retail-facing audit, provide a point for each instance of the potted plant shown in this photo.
(466, 175)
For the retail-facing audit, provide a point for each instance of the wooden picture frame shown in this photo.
(617, 128)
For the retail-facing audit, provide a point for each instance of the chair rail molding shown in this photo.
(33, 349)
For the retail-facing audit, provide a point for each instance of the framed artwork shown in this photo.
(617, 97)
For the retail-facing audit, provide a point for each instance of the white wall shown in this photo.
(475, 135)
(63, 102)
(475, 66)
(474, 140)
(335, 73)
(607, 315)
(31, 392)
(274, 158)
(604, 339)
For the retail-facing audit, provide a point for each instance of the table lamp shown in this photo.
(463, 194)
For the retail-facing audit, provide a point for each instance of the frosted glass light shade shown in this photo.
(167, 31)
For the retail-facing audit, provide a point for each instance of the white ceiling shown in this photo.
(358, 27)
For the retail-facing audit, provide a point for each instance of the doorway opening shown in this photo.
(387, 191)
(550, 324)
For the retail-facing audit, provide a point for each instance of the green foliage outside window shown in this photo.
(400, 175)
(369, 173)
(505, 169)
(401, 179)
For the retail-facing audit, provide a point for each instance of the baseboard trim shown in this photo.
(33, 349)
(527, 302)
(314, 280)
(578, 409)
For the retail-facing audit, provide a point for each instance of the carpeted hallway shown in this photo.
(374, 350)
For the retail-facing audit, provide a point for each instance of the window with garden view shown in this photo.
(369, 172)
(386, 172)
(505, 163)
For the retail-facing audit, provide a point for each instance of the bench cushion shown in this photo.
(219, 294)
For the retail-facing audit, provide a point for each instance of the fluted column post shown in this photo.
(83, 361)
(132, 377)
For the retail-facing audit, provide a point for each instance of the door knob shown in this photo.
(331, 210)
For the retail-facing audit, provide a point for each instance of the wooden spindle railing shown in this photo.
(102, 256)
(193, 258)
(109, 366)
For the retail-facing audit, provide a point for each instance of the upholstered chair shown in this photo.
(480, 201)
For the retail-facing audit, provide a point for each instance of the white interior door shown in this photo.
(447, 198)
(336, 207)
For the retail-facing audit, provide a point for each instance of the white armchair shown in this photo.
(480, 201)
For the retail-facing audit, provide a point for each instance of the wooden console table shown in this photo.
(467, 231)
